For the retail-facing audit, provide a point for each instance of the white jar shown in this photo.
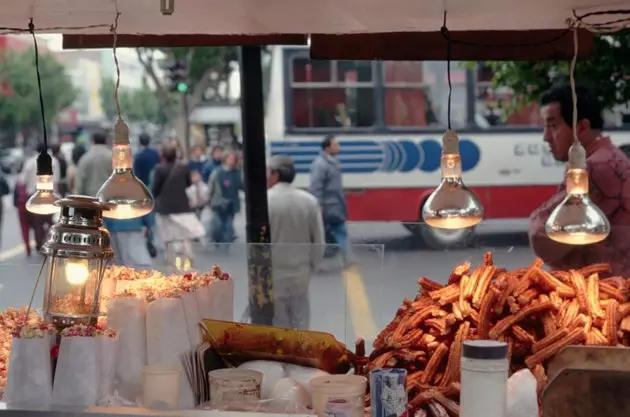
(484, 378)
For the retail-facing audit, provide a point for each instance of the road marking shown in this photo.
(13, 252)
(361, 314)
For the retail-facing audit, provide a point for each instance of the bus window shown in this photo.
(416, 94)
(332, 94)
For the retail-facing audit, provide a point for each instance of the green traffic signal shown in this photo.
(182, 87)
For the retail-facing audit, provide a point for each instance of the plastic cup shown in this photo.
(332, 388)
(160, 387)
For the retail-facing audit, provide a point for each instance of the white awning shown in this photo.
(239, 17)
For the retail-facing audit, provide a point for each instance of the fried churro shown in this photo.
(513, 319)
(592, 296)
(451, 374)
(579, 284)
(574, 337)
(434, 363)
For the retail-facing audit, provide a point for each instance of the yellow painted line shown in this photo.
(13, 252)
(361, 314)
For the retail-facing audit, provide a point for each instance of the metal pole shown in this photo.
(186, 124)
(255, 178)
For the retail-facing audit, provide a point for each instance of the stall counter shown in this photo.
(12, 410)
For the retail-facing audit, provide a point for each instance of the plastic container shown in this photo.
(339, 395)
(160, 387)
(232, 385)
(484, 378)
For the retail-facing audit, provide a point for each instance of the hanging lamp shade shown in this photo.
(452, 205)
(127, 195)
(44, 199)
(577, 220)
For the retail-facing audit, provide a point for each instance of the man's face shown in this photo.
(230, 160)
(334, 147)
(217, 154)
(557, 133)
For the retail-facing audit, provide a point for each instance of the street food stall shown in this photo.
(171, 342)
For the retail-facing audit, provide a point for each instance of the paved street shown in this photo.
(356, 302)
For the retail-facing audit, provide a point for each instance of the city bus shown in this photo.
(389, 118)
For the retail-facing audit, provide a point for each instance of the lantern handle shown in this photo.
(30, 303)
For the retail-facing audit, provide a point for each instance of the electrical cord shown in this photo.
(444, 31)
(114, 31)
(31, 28)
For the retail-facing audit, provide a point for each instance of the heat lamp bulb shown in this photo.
(452, 205)
(129, 197)
(77, 271)
(576, 220)
(43, 201)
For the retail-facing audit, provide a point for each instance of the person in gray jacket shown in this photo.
(327, 188)
(297, 237)
(95, 167)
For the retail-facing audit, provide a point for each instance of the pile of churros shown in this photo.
(537, 312)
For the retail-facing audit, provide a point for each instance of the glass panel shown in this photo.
(351, 72)
(306, 70)
(416, 94)
(332, 107)
(72, 286)
(358, 300)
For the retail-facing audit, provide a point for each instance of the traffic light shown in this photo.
(177, 73)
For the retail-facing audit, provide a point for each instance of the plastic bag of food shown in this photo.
(303, 375)
(290, 390)
(272, 373)
(522, 400)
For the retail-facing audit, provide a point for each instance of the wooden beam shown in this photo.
(531, 45)
(163, 41)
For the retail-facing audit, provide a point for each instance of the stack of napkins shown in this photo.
(197, 363)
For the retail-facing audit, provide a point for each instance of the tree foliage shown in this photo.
(19, 98)
(606, 71)
(140, 105)
(208, 67)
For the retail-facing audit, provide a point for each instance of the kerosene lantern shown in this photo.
(77, 250)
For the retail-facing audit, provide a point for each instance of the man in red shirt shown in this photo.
(609, 180)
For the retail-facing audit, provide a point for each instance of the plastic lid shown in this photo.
(485, 349)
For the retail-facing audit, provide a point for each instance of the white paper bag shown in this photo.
(204, 302)
(216, 300)
(77, 376)
(107, 355)
(29, 379)
(168, 340)
(191, 313)
(127, 316)
(224, 296)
